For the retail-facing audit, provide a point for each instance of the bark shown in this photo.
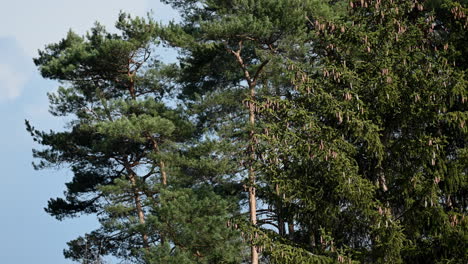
(252, 83)
(139, 208)
(132, 176)
(252, 195)
(291, 229)
(162, 166)
(162, 169)
(252, 189)
(281, 229)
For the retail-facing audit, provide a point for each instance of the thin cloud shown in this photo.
(11, 82)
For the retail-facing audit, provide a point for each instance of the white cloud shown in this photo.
(11, 82)
(37, 23)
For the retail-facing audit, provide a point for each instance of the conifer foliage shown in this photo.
(307, 132)
(371, 150)
(120, 145)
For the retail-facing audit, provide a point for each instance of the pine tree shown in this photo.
(229, 58)
(122, 145)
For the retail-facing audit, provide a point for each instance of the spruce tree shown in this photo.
(371, 150)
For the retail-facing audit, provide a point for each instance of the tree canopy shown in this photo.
(287, 132)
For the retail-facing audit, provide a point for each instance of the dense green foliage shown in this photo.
(130, 153)
(308, 131)
(376, 134)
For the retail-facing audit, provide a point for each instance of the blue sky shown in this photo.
(27, 233)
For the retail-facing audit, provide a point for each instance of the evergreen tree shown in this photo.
(231, 52)
(118, 145)
(349, 129)
(371, 150)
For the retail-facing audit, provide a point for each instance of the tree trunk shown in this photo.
(291, 229)
(281, 229)
(162, 169)
(252, 84)
(139, 208)
(252, 189)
